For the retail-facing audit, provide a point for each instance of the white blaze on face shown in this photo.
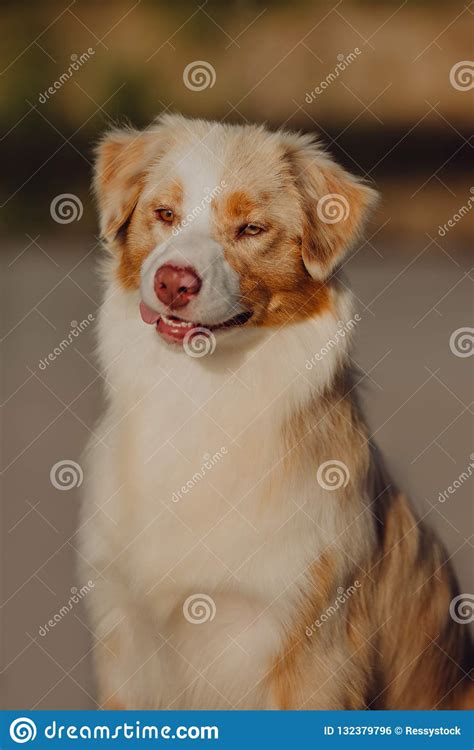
(199, 172)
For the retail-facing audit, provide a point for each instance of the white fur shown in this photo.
(240, 535)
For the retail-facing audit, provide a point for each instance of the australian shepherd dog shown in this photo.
(247, 546)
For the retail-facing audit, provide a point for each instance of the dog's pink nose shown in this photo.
(175, 287)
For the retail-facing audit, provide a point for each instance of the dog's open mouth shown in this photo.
(176, 330)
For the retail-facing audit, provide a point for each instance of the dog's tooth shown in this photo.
(183, 323)
(177, 323)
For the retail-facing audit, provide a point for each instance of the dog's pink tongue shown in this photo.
(148, 315)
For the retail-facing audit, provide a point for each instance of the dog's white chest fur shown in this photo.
(201, 530)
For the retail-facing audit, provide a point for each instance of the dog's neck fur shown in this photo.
(256, 365)
(256, 398)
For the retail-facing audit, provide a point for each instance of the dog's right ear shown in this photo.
(122, 160)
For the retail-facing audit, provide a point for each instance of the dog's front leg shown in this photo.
(126, 651)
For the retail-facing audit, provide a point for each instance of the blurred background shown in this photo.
(387, 86)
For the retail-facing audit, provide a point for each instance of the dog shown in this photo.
(247, 546)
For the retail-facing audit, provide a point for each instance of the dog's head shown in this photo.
(220, 226)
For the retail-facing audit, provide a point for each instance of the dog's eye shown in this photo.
(165, 214)
(250, 230)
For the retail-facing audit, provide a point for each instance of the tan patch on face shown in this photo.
(275, 305)
(130, 265)
(274, 283)
(141, 234)
(176, 195)
(239, 205)
(136, 245)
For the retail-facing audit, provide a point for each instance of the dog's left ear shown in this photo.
(335, 206)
